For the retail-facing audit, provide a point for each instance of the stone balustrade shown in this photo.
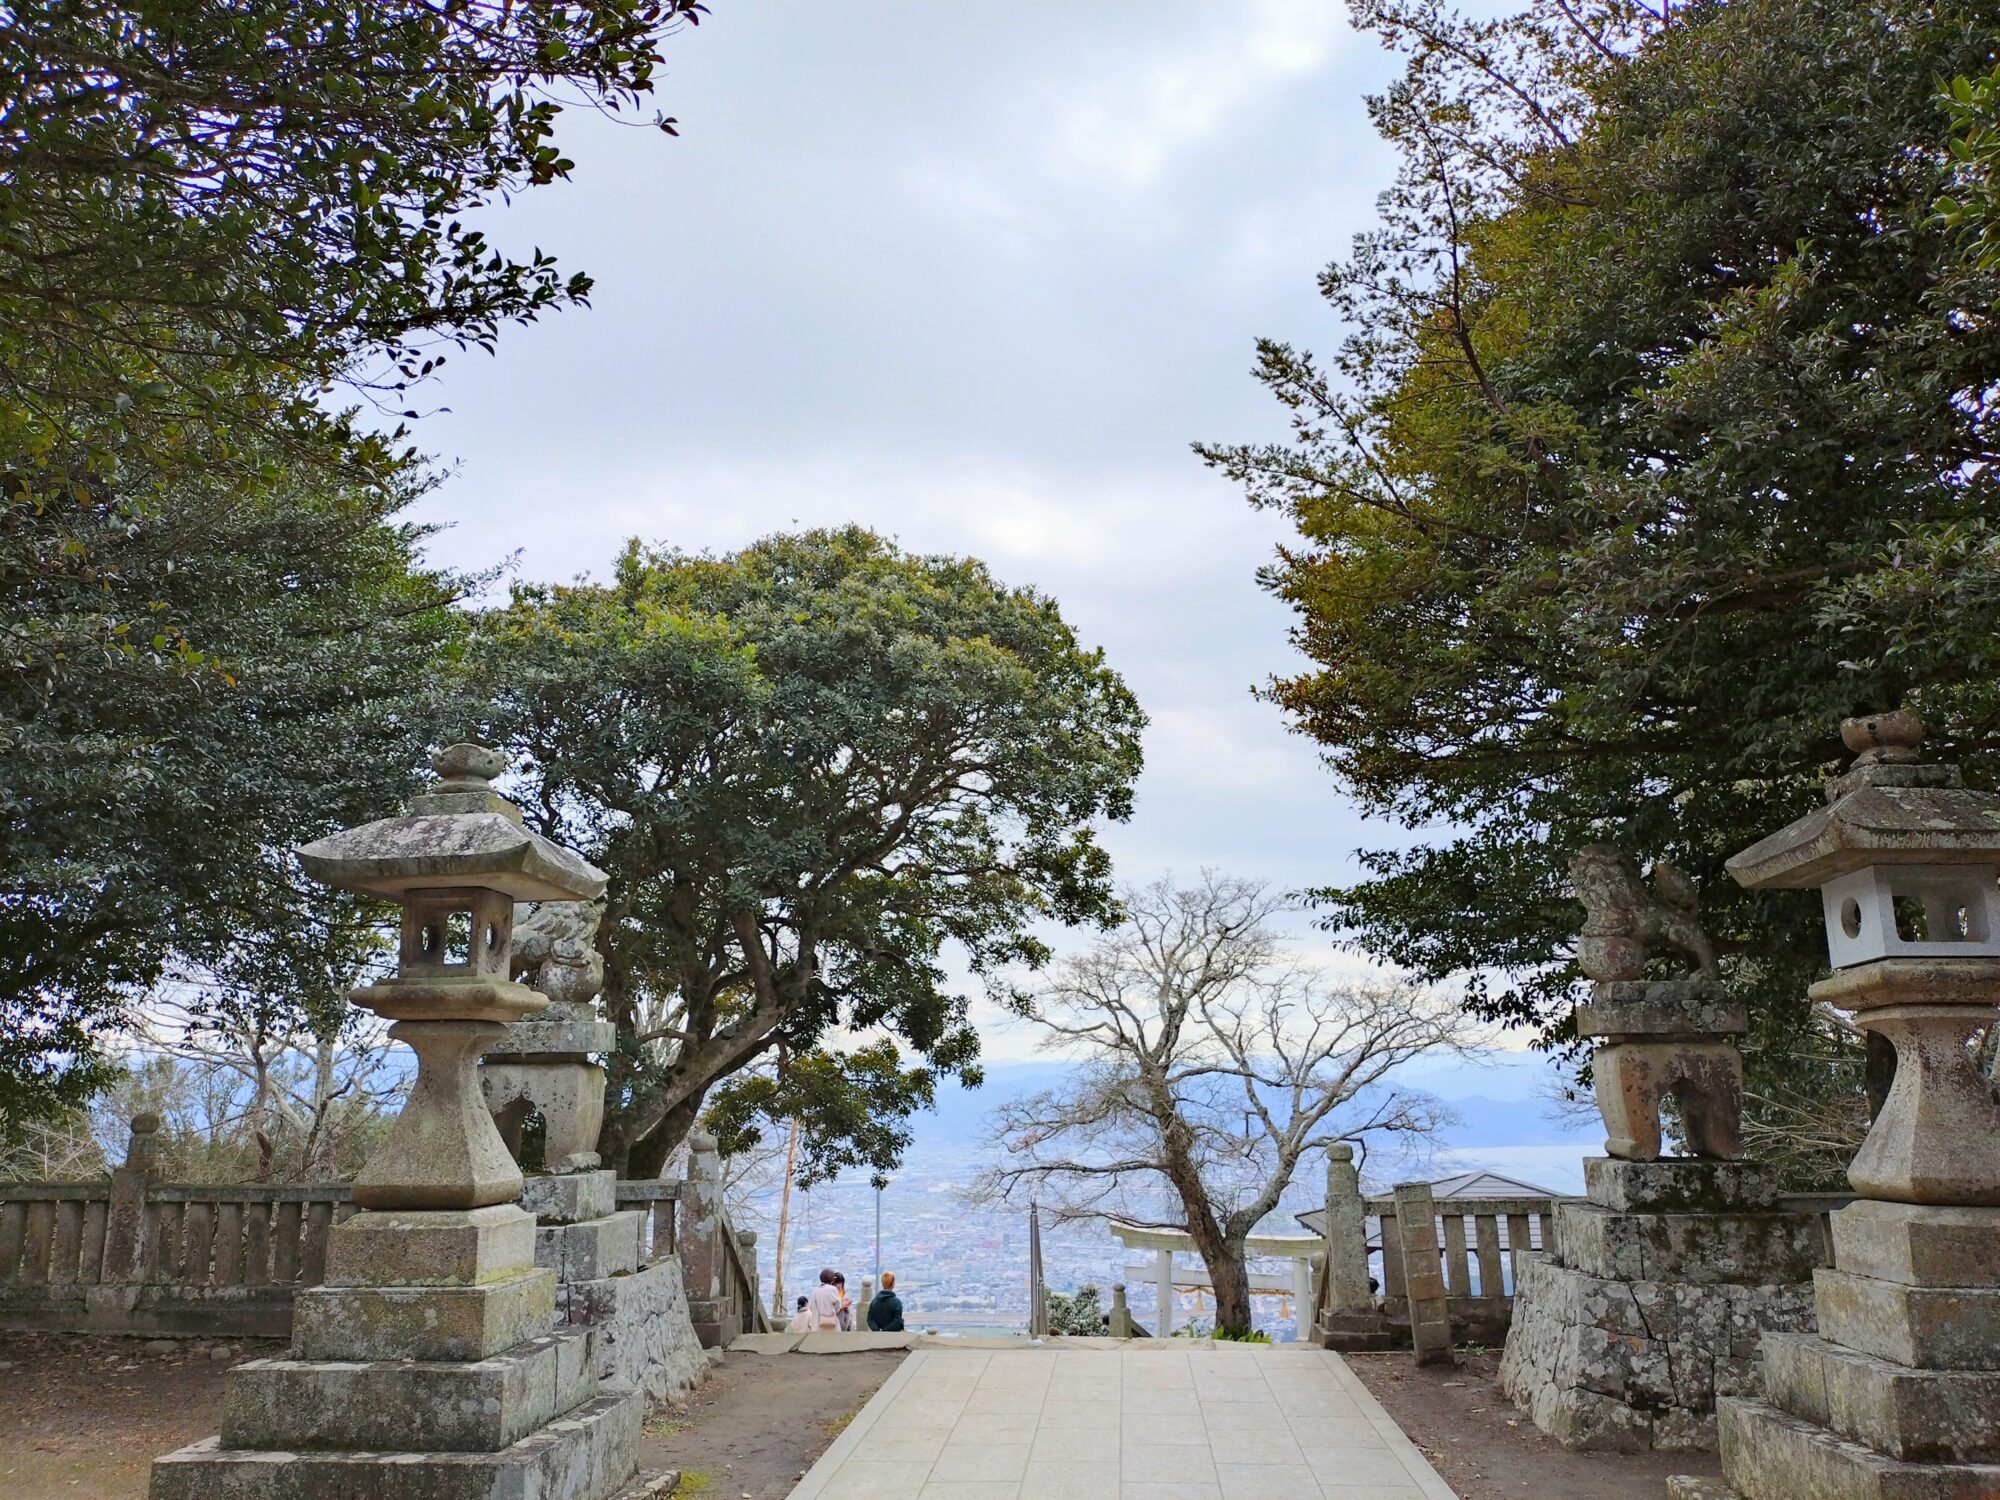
(127, 1254)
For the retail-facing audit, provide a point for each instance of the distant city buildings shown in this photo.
(959, 1267)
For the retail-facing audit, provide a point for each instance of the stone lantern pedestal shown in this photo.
(428, 1365)
(628, 1293)
(1655, 1289)
(1897, 1394)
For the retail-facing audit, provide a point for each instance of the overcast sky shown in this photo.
(975, 276)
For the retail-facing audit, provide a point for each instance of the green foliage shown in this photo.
(210, 675)
(1077, 1313)
(215, 635)
(190, 192)
(1972, 207)
(853, 1106)
(1240, 1336)
(1663, 438)
(808, 768)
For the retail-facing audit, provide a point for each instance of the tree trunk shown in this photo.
(1220, 1253)
(260, 1114)
(784, 1220)
(1230, 1277)
(647, 1155)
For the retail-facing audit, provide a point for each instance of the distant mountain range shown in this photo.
(963, 1265)
(1505, 1120)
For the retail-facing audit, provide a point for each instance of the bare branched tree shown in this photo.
(269, 1091)
(1210, 1062)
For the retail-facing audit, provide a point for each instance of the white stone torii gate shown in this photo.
(1303, 1251)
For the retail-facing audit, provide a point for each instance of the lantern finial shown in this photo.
(1888, 738)
(466, 767)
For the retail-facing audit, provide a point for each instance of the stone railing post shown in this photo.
(1346, 1235)
(1121, 1314)
(699, 1237)
(125, 1237)
(746, 1245)
(1423, 1274)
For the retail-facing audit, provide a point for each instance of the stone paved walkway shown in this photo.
(1102, 1420)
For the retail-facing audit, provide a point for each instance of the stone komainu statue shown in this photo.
(1627, 920)
(545, 1064)
(555, 946)
(1656, 1037)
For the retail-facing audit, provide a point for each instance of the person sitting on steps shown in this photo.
(825, 1302)
(885, 1313)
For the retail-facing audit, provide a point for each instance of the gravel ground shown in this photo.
(760, 1421)
(1486, 1450)
(86, 1416)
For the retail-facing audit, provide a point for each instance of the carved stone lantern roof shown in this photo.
(1889, 809)
(461, 834)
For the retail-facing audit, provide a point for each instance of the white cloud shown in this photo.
(1197, 748)
(1128, 128)
(1134, 534)
(968, 196)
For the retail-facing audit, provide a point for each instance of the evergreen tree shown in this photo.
(1662, 437)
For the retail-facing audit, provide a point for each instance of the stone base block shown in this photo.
(1355, 1332)
(1924, 1416)
(1699, 1487)
(564, 1030)
(479, 1407)
(590, 1454)
(592, 1250)
(446, 1247)
(645, 1338)
(429, 1322)
(1933, 1328)
(1918, 1246)
(1769, 1455)
(1748, 1249)
(1691, 1008)
(571, 1197)
(1679, 1185)
(1608, 1365)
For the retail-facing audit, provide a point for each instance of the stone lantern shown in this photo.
(1907, 862)
(1898, 1393)
(456, 863)
(428, 1362)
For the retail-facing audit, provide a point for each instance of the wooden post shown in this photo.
(1423, 1277)
(779, 1313)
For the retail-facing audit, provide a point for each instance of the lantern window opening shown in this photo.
(1880, 911)
(457, 939)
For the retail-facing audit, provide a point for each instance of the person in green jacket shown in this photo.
(885, 1313)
